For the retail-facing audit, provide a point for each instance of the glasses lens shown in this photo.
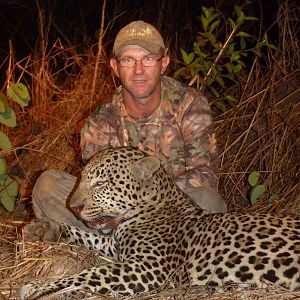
(127, 62)
(147, 61)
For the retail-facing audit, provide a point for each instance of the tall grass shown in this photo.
(261, 133)
(258, 134)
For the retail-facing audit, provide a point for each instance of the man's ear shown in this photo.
(165, 63)
(145, 167)
(114, 65)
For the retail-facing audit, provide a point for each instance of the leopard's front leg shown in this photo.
(52, 231)
(127, 278)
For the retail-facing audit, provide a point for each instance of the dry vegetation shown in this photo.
(261, 133)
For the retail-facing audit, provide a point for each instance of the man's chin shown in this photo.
(140, 95)
(142, 100)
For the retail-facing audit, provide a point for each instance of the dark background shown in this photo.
(77, 22)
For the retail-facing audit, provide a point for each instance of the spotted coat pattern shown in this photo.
(159, 237)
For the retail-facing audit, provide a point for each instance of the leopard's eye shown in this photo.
(98, 183)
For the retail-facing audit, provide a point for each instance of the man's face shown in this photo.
(139, 81)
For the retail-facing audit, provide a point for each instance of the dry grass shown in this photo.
(22, 260)
(261, 133)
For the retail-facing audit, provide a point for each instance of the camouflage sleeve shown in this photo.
(199, 144)
(99, 132)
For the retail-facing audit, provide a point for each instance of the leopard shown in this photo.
(155, 236)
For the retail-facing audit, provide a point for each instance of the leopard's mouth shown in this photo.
(105, 222)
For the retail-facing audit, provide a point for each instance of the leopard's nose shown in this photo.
(77, 209)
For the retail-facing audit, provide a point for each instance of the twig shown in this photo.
(101, 33)
(186, 104)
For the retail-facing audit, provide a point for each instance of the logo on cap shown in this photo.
(141, 34)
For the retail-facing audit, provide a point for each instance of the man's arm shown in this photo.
(199, 142)
(201, 176)
(99, 132)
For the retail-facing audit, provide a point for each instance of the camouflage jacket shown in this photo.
(179, 133)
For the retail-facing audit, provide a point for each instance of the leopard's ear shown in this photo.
(145, 167)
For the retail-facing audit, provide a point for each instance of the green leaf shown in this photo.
(232, 100)
(229, 67)
(215, 92)
(237, 10)
(5, 143)
(204, 22)
(213, 26)
(240, 20)
(257, 192)
(213, 16)
(8, 192)
(207, 64)
(11, 187)
(187, 58)
(207, 11)
(234, 56)
(253, 178)
(2, 165)
(196, 48)
(212, 38)
(8, 118)
(218, 46)
(8, 201)
(237, 68)
(19, 93)
(202, 54)
(245, 54)
(240, 62)
(220, 81)
(231, 48)
(233, 25)
(243, 34)
(221, 106)
(3, 103)
(197, 63)
(179, 72)
(250, 19)
(3, 178)
(269, 45)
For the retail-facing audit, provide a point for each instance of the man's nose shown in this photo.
(138, 67)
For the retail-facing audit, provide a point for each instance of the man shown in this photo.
(153, 112)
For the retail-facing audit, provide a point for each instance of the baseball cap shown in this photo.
(141, 34)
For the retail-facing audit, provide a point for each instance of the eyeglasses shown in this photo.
(147, 61)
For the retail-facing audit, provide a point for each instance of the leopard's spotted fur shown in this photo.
(158, 235)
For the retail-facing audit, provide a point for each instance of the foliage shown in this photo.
(215, 63)
(258, 189)
(8, 186)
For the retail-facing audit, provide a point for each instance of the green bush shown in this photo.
(220, 54)
(8, 186)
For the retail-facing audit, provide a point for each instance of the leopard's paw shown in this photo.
(29, 291)
(42, 230)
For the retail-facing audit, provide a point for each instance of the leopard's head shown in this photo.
(113, 184)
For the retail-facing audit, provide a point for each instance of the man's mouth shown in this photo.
(139, 81)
